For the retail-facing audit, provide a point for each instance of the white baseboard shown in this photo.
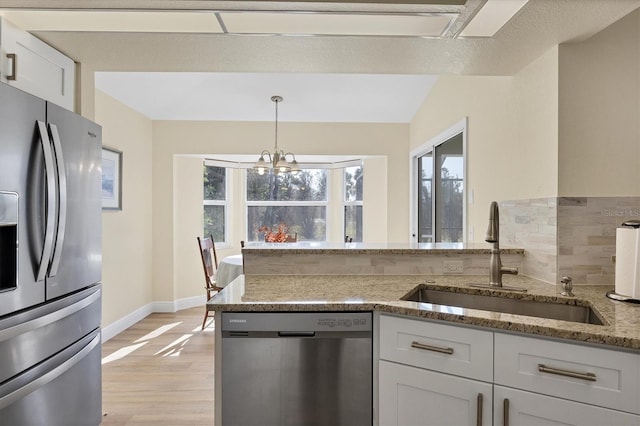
(191, 302)
(127, 321)
(163, 307)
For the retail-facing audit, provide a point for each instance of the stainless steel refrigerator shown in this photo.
(50, 264)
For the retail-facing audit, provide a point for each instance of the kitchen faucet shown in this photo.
(496, 270)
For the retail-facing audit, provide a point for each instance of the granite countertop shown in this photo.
(309, 247)
(304, 293)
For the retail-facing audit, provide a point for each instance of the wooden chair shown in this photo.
(207, 247)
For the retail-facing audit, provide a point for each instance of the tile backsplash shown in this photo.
(572, 236)
(532, 224)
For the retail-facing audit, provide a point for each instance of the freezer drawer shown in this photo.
(34, 335)
(65, 390)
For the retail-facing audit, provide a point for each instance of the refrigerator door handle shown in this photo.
(62, 200)
(21, 392)
(51, 201)
(47, 319)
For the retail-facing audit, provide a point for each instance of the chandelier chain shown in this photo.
(276, 100)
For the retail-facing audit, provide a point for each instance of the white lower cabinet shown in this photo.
(434, 373)
(413, 396)
(513, 407)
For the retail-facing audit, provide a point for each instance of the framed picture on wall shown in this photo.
(111, 179)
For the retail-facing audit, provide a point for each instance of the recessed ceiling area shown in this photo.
(360, 98)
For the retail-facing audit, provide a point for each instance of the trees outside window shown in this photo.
(353, 189)
(296, 200)
(215, 203)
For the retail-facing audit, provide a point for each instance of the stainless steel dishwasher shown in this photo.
(297, 368)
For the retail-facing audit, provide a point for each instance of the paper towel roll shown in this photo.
(628, 262)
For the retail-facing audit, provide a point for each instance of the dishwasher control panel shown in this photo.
(331, 322)
(297, 321)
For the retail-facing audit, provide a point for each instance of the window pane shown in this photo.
(306, 185)
(214, 223)
(214, 183)
(309, 222)
(353, 183)
(425, 208)
(353, 222)
(449, 190)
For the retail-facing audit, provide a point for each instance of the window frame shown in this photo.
(325, 204)
(225, 203)
(346, 203)
(458, 128)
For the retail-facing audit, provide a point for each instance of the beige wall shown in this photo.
(126, 234)
(511, 133)
(172, 139)
(599, 113)
(187, 206)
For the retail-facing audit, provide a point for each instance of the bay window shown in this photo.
(295, 201)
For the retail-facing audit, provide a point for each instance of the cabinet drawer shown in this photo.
(445, 348)
(602, 377)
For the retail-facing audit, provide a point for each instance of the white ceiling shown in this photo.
(247, 96)
(182, 67)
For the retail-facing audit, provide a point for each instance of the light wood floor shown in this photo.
(160, 372)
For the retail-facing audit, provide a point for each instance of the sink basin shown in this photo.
(551, 310)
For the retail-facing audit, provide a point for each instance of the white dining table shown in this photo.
(229, 269)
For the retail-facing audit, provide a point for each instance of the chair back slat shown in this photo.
(209, 259)
(207, 249)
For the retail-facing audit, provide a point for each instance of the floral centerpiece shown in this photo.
(270, 236)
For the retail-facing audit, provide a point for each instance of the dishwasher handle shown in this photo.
(296, 333)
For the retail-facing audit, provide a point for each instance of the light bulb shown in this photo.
(260, 171)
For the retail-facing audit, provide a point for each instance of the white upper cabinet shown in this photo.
(35, 67)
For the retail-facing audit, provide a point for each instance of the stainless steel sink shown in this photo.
(541, 309)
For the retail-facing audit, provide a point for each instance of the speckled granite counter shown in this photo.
(308, 247)
(300, 293)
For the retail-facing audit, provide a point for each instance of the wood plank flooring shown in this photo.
(160, 372)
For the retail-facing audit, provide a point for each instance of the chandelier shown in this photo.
(276, 160)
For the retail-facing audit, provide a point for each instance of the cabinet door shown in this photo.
(412, 396)
(35, 67)
(515, 407)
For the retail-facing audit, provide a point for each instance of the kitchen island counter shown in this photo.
(321, 258)
(306, 293)
(310, 247)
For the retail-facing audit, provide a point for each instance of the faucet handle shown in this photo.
(567, 286)
(512, 271)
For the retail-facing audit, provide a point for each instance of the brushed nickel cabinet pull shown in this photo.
(583, 376)
(419, 345)
(14, 66)
(479, 413)
(505, 412)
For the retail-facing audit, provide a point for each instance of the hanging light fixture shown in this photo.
(276, 160)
